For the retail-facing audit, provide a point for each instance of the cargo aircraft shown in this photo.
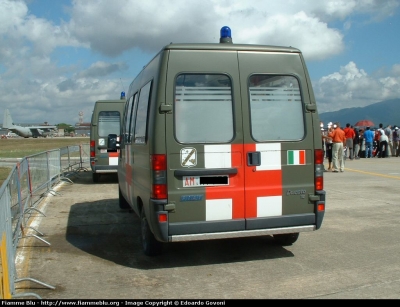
(26, 132)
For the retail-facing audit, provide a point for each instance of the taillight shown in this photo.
(319, 169)
(319, 183)
(92, 149)
(319, 156)
(159, 176)
(159, 191)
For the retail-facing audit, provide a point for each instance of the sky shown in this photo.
(58, 57)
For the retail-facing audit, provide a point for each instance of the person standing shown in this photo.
(323, 136)
(375, 145)
(362, 144)
(349, 134)
(389, 149)
(356, 142)
(369, 140)
(396, 141)
(328, 146)
(338, 139)
(383, 144)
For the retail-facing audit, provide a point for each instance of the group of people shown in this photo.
(334, 140)
(381, 143)
(353, 143)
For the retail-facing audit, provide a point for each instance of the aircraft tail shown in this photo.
(7, 120)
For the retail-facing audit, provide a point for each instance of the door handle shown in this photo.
(254, 158)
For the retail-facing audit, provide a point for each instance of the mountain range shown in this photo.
(386, 112)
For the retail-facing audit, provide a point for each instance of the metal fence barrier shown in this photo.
(30, 180)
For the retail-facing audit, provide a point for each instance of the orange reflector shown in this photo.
(163, 217)
(321, 207)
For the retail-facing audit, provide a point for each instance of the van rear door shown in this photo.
(108, 122)
(204, 142)
(279, 140)
(239, 143)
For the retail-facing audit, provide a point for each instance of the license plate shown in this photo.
(196, 181)
(191, 181)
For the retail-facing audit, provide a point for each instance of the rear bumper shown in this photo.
(222, 229)
(239, 234)
(104, 168)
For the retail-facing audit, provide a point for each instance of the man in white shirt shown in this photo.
(383, 144)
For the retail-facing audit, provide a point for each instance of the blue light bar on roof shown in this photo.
(225, 36)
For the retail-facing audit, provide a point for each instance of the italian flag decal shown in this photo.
(296, 157)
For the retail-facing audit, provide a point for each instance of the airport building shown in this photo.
(82, 129)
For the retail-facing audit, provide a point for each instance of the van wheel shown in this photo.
(123, 204)
(95, 177)
(151, 247)
(286, 239)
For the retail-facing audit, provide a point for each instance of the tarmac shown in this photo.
(94, 252)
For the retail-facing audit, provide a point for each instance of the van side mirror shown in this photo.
(113, 145)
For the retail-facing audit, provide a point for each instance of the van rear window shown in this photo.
(203, 108)
(109, 123)
(276, 108)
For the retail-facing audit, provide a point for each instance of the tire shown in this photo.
(286, 239)
(95, 177)
(151, 247)
(123, 204)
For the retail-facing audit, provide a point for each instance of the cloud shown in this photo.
(100, 69)
(19, 29)
(151, 25)
(351, 84)
(40, 69)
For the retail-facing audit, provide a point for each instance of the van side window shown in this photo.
(203, 108)
(141, 115)
(127, 121)
(276, 108)
(109, 123)
(133, 118)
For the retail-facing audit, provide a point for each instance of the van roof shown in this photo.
(234, 47)
(112, 100)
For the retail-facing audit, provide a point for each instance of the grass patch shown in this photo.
(4, 172)
(21, 147)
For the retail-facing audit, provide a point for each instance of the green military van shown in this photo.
(222, 140)
(105, 129)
